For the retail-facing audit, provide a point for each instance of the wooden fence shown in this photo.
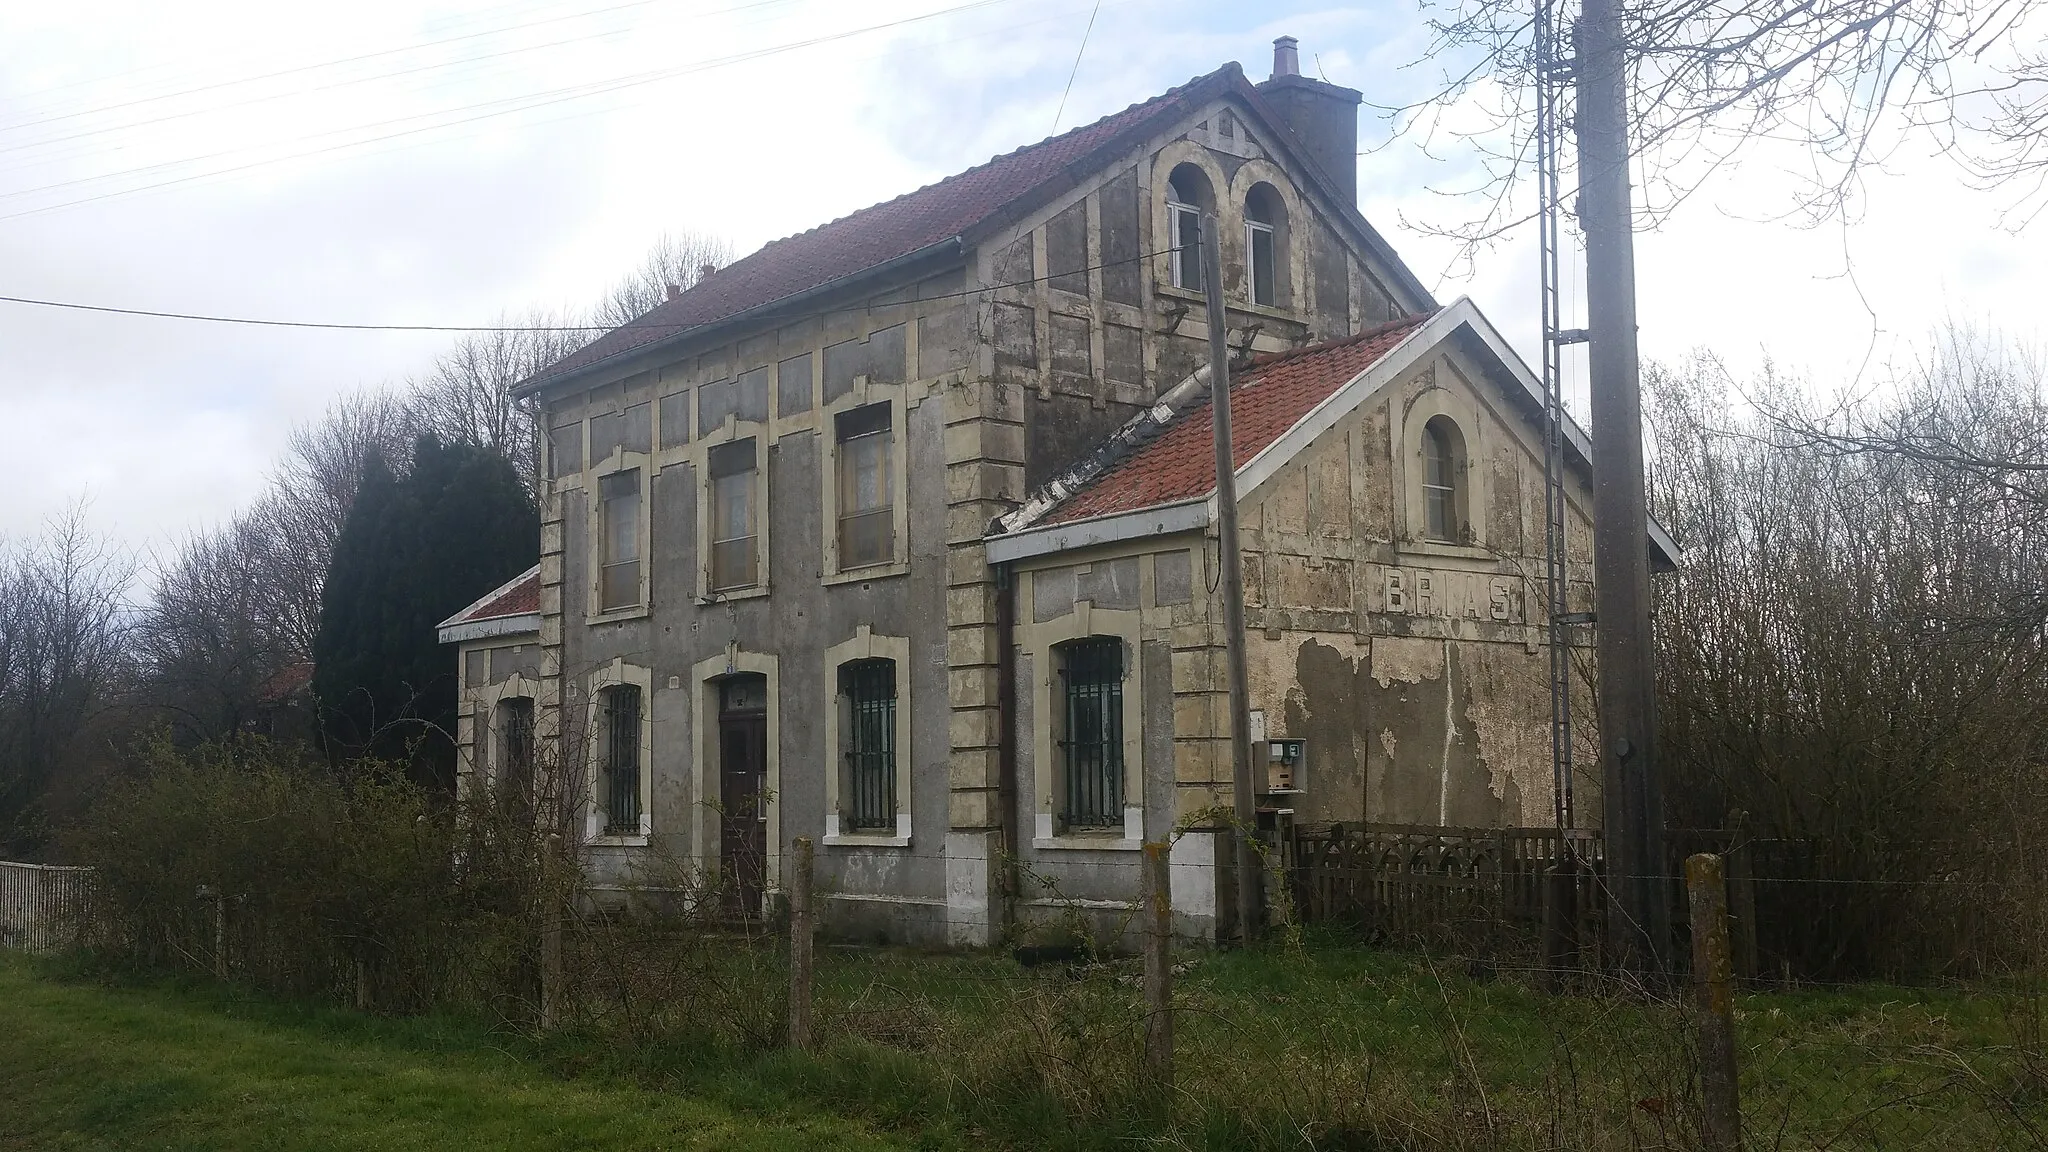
(41, 905)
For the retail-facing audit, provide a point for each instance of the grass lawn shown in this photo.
(162, 1067)
(1324, 1047)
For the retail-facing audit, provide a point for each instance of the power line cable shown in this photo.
(201, 317)
(372, 78)
(400, 50)
(1076, 70)
(524, 103)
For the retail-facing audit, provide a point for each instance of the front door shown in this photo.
(742, 792)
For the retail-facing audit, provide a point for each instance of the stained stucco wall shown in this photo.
(1417, 670)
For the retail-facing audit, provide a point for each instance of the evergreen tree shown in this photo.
(412, 551)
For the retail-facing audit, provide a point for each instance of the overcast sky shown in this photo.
(415, 162)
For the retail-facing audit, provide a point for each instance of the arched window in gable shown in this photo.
(1443, 481)
(1265, 245)
(1187, 197)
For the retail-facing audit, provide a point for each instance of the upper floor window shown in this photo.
(1443, 467)
(867, 510)
(1187, 197)
(618, 584)
(734, 517)
(622, 760)
(1092, 737)
(1264, 224)
(869, 734)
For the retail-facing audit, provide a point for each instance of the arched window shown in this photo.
(1187, 197)
(1265, 239)
(1443, 474)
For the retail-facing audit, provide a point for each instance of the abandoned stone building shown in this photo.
(898, 534)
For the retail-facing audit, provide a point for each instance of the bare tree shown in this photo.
(467, 395)
(676, 261)
(63, 669)
(210, 645)
(1846, 80)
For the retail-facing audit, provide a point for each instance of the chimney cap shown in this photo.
(705, 270)
(1286, 57)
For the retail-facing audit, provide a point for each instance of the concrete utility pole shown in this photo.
(1233, 587)
(1638, 913)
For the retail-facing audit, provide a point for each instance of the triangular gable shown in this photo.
(940, 219)
(510, 609)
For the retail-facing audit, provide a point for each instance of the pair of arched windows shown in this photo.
(1265, 220)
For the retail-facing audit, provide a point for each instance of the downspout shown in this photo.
(1006, 738)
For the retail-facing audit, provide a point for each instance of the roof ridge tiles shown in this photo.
(1270, 359)
(871, 237)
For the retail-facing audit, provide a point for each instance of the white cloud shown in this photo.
(170, 425)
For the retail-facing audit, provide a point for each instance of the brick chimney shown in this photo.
(1324, 116)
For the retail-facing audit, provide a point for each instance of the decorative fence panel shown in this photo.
(41, 905)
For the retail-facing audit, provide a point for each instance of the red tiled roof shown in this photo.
(1267, 397)
(286, 682)
(896, 228)
(519, 598)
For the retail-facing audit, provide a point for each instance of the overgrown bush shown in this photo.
(255, 858)
(1853, 659)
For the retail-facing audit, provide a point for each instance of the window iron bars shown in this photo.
(870, 690)
(622, 761)
(515, 774)
(1092, 750)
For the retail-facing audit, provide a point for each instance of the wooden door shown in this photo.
(743, 799)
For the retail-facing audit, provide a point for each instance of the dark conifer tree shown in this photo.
(413, 550)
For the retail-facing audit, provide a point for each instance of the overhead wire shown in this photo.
(523, 103)
(418, 46)
(261, 322)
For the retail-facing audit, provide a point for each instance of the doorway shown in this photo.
(742, 792)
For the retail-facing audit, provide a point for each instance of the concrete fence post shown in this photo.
(1707, 892)
(1158, 966)
(800, 952)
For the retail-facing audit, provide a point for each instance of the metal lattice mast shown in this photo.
(1552, 76)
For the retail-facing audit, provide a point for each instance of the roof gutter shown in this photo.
(1160, 520)
(949, 247)
(526, 624)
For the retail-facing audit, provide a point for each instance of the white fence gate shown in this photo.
(41, 905)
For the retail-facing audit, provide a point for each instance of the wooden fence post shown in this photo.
(1158, 967)
(1706, 888)
(800, 948)
(550, 932)
(1560, 917)
(220, 935)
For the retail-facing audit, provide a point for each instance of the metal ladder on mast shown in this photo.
(1552, 74)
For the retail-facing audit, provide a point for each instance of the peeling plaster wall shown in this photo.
(1417, 671)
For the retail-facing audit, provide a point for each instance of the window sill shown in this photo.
(611, 840)
(752, 592)
(1439, 548)
(1088, 843)
(857, 840)
(871, 572)
(636, 612)
(1231, 303)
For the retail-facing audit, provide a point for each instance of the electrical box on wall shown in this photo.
(1286, 765)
